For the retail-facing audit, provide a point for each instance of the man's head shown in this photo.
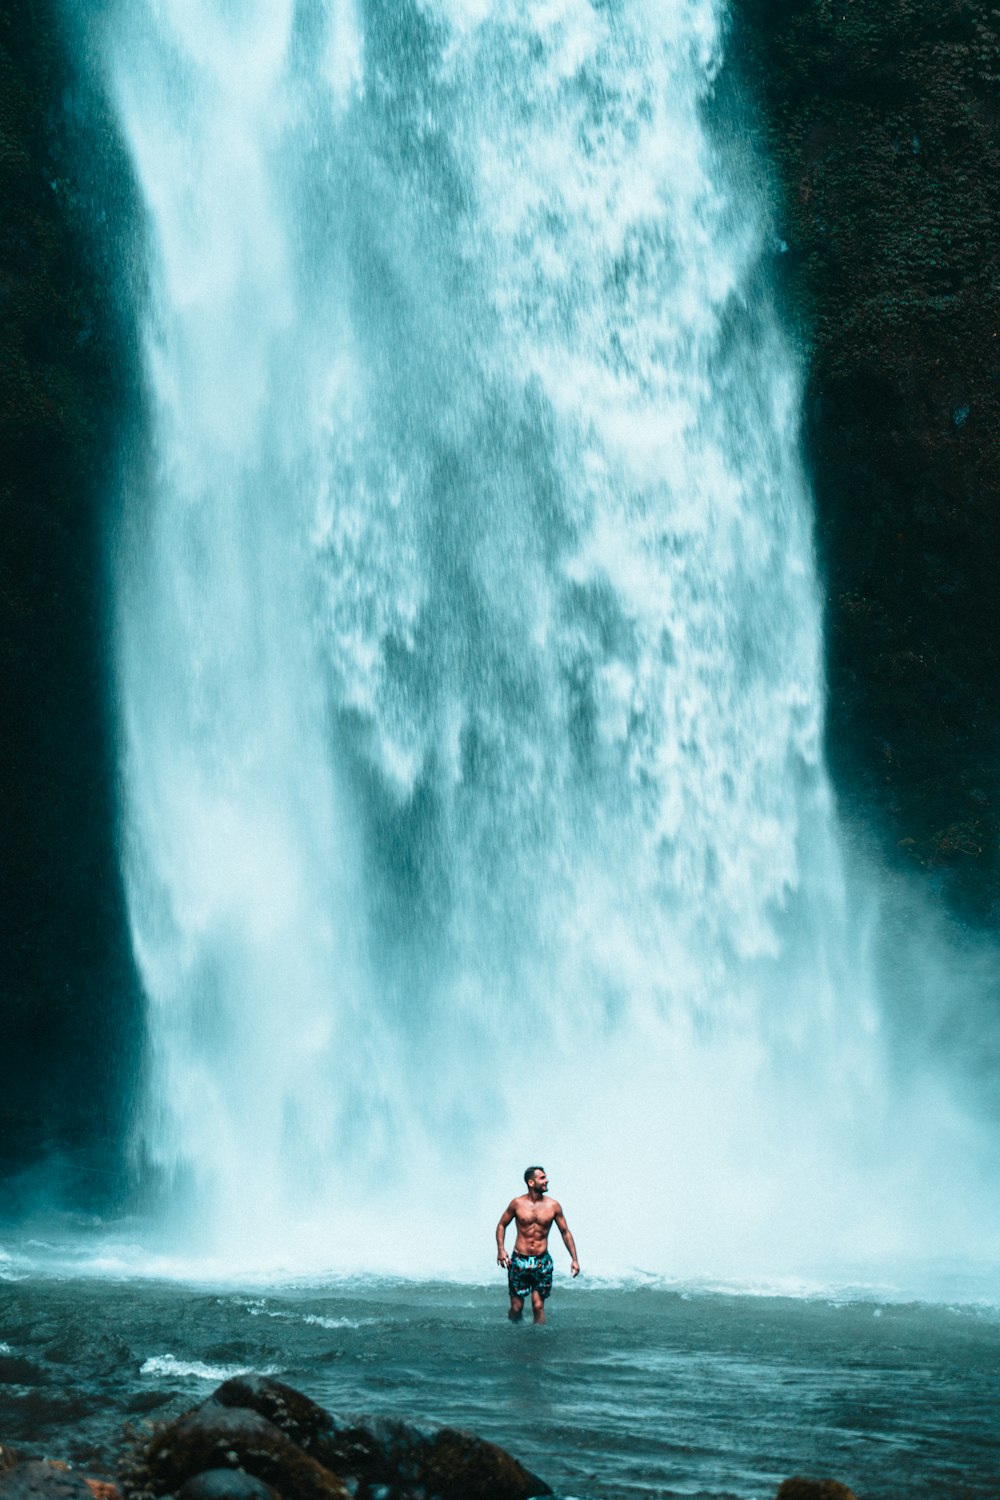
(535, 1178)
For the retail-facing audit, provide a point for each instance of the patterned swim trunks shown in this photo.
(530, 1273)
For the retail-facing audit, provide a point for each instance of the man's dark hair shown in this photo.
(529, 1173)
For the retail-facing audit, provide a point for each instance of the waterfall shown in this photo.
(470, 648)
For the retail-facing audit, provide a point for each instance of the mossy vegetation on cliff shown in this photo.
(884, 123)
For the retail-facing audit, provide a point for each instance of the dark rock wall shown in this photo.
(883, 118)
(67, 992)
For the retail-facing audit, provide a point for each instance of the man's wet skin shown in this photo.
(534, 1214)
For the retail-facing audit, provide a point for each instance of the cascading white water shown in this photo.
(470, 648)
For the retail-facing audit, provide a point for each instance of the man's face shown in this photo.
(540, 1182)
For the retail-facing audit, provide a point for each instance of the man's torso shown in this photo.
(534, 1218)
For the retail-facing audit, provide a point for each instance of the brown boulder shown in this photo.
(258, 1430)
(214, 1436)
(379, 1453)
(814, 1489)
(458, 1466)
(298, 1417)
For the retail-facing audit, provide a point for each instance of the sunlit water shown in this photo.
(625, 1393)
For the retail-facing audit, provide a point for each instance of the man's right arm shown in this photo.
(503, 1259)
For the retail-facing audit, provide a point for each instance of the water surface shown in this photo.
(626, 1392)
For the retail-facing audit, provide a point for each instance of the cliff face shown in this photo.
(66, 988)
(883, 117)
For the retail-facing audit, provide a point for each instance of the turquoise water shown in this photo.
(626, 1392)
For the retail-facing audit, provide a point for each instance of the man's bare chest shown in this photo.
(535, 1216)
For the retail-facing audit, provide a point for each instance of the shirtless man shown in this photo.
(529, 1269)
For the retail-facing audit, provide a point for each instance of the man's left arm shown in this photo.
(564, 1230)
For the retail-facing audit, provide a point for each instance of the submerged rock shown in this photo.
(225, 1484)
(814, 1489)
(255, 1438)
(38, 1479)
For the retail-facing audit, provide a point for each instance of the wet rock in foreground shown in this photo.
(213, 1437)
(257, 1439)
(275, 1441)
(814, 1489)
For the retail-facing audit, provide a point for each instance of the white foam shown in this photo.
(316, 1320)
(170, 1365)
(260, 1310)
